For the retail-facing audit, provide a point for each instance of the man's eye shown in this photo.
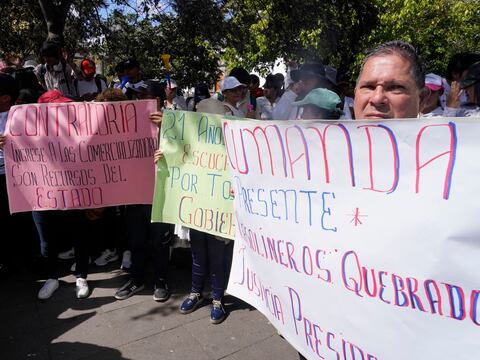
(368, 87)
(396, 87)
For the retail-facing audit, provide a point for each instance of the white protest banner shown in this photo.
(80, 155)
(360, 240)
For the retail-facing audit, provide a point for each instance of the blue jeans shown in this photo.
(208, 256)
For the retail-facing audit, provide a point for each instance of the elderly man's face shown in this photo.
(386, 89)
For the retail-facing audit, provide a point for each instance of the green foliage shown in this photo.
(201, 34)
(183, 33)
(437, 28)
(261, 32)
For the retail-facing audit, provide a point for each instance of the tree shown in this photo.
(55, 14)
(438, 28)
(261, 32)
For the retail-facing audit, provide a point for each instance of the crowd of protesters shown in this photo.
(392, 84)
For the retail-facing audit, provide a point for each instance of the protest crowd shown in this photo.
(393, 83)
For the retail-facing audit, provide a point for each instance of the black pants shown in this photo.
(146, 238)
(50, 226)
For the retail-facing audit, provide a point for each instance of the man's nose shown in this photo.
(378, 97)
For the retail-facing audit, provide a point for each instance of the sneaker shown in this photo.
(48, 289)
(106, 257)
(82, 288)
(128, 290)
(66, 255)
(191, 303)
(126, 260)
(161, 293)
(217, 314)
(74, 265)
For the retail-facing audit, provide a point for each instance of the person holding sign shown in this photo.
(391, 84)
(8, 96)
(145, 237)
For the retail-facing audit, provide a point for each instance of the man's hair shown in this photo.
(404, 50)
(254, 79)
(111, 95)
(8, 86)
(459, 63)
(50, 49)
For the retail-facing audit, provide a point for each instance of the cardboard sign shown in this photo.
(80, 155)
(360, 240)
(193, 180)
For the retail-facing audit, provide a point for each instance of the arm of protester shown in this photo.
(453, 98)
(157, 155)
(156, 118)
(453, 101)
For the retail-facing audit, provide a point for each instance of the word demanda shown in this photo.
(427, 295)
(298, 151)
(65, 119)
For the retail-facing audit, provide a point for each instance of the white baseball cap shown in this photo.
(173, 84)
(230, 82)
(433, 82)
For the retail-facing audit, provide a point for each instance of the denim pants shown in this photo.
(208, 256)
(146, 238)
(52, 226)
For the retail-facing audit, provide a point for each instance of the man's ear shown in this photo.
(424, 94)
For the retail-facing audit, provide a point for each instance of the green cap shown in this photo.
(472, 76)
(322, 98)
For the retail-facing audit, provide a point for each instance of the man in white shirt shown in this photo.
(267, 103)
(309, 77)
(58, 72)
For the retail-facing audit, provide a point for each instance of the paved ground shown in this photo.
(102, 328)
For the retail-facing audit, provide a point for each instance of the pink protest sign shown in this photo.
(80, 155)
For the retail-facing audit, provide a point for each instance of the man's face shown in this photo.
(132, 73)
(51, 60)
(270, 93)
(432, 100)
(310, 82)
(386, 89)
(470, 94)
(170, 92)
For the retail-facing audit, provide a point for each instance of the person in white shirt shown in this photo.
(173, 101)
(232, 91)
(266, 103)
(58, 71)
(432, 106)
(92, 83)
(310, 76)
